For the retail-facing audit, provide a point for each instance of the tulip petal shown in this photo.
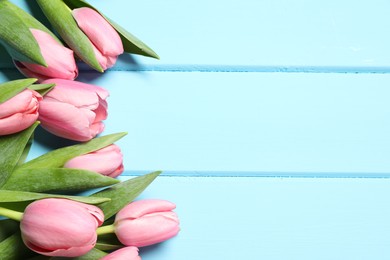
(20, 103)
(126, 253)
(59, 227)
(111, 60)
(139, 208)
(147, 230)
(76, 93)
(65, 120)
(118, 171)
(16, 123)
(96, 212)
(100, 57)
(106, 161)
(67, 252)
(101, 111)
(74, 110)
(19, 112)
(60, 60)
(99, 31)
(29, 74)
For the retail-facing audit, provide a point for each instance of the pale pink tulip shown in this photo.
(126, 253)
(19, 112)
(60, 227)
(146, 222)
(60, 60)
(105, 40)
(74, 110)
(107, 161)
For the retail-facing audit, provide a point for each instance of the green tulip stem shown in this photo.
(105, 230)
(68, 8)
(11, 214)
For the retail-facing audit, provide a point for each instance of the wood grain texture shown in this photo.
(252, 35)
(265, 123)
(275, 218)
(216, 118)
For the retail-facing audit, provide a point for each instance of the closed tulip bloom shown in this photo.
(146, 222)
(60, 227)
(105, 40)
(126, 253)
(19, 112)
(107, 161)
(59, 59)
(74, 110)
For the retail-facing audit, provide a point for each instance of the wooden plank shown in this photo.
(253, 123)
(275, 218)
(252, 35)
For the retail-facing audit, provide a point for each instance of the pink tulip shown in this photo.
(19, 112)
(74, 110)
(105, 40)
(126, 253)
(60, 60)
(60, 227)
(107, 161)
(146, 222)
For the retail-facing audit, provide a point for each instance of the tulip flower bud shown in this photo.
(107, 161)
(146, 222)
(106, 42)
(60, 60)
(60, 227)
(74, 110)
(19, 112)
(94, 38)
(126, 253)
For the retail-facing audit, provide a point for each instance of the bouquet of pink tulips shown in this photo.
(44, 215)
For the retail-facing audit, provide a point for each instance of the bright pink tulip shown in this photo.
(126, 253)
(60, 60)
(105, 40)
(107, 161)
(60, 227)
(74, 110)
(146, 222)
(19, 112)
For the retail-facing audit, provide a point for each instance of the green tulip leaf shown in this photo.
(94, 254)
(108, 247)
(108, 242)
(60, 17)
(31, 22)
(56, 179)
(131, 44)
(26, 150)
(12, 88)
(7, 228)
(18, 196)
(123, 193)
(59, 157)
(15, 206)
(14, 248)
(15, 34)
(11, 150)
(42, 89)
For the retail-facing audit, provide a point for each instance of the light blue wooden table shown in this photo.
(270, 120)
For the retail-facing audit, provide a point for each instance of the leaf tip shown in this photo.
(33, 80)
(156, 173)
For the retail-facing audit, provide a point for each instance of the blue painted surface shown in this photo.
(224, 34)
(251, 122)
(276, 218)
(248, 98)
